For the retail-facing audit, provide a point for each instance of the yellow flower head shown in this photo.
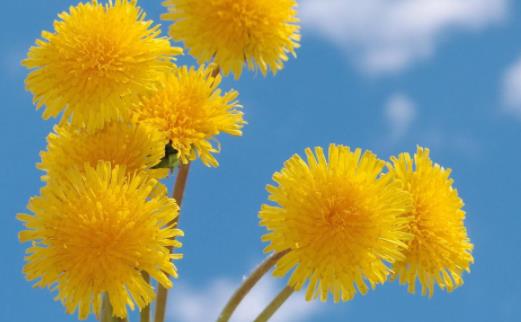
(260, 33)
(190, 111)
(440, 250)
(98, 59)
(95, 234)
(136, 147)
(340, 219)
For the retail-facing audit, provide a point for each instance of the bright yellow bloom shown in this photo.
(440, 250)
(260, 33)
(341, 220)
(137, 148)
(190, 110)
(99, 59)
(96, 233)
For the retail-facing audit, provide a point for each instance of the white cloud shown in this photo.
(389, 35)
(399, 112)
(512, 89)
(12, 62)
(447, 141)
(189, 304)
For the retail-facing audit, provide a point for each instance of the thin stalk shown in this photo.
(275, 304)
(145, 312)
(248, 284)
(178, 194)
(106, 311)
(216, 71)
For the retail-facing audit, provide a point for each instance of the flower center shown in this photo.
(341, 212)
(241, 17)
(99, 57)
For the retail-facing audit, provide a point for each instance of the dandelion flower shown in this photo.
(98, 59)
(137, 148)
(440, 250)
(341, 220)
(190, 110)
(259, 33)
(95, 234)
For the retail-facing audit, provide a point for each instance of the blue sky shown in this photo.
(384, 75)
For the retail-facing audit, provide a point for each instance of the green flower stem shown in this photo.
(179, 190)
(145, 312)
(275, 304)
(216, 71)
(106, 311)
(248, 284)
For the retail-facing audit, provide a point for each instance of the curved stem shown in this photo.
(180, 184)
(275, 304)
(178, 194)
(145, 312)
(216, 71)
(106, 311)
(248, 284)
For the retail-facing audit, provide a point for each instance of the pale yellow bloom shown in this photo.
(191, 111)
(232, 33)
(341, 220)
(95, 233)
(97, 61)
(136, 147)
(441, 250)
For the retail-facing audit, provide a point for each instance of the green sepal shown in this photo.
(170, 160)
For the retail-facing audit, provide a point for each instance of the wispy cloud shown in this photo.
(512, 89)
(399, 112)
(389, 35)
(454, 142)
(196, 304)
(11, 62)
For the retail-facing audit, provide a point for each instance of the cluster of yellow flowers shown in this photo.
(103, 224)
(347, 224)
(103, 218)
